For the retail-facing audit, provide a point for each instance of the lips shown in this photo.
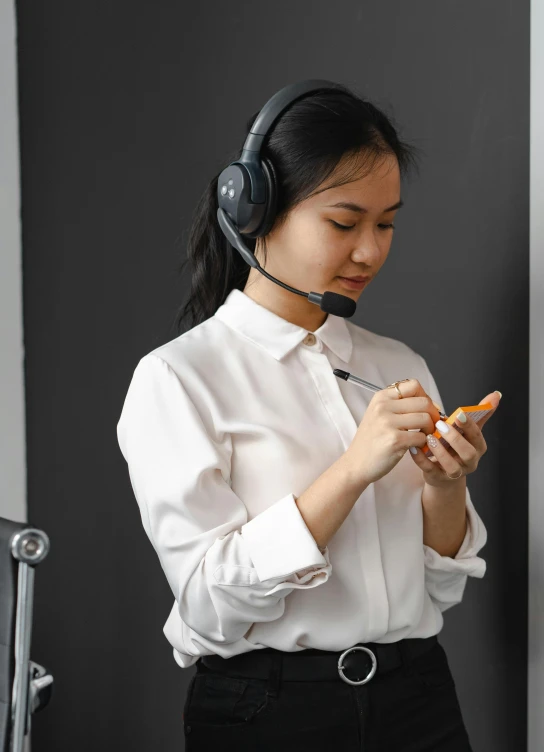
(357, 279)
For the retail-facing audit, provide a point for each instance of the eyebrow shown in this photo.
(361, 209)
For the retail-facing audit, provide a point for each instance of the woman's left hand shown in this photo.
(463, 454)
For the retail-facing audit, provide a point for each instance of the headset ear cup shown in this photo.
(271, 179)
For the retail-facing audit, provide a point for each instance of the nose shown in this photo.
(369, 250)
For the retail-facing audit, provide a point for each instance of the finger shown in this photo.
(448, 463)
(415, 412)
(471, 432)
(407, 387)
(466, 451)
(494, 398)
(418, 420)
(426, 464)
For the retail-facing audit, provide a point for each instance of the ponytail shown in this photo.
(217, 268)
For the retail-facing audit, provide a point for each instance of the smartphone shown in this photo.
(476, 412)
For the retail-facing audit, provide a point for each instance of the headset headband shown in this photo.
(247, 188)
(251, 151)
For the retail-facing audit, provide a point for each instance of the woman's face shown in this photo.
(311, 250)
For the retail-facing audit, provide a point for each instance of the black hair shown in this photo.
(305, 144)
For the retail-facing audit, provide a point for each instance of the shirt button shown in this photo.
(309, 339)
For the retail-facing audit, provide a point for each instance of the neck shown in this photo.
(293, 308)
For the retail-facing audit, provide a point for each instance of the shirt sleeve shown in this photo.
(225, 572)
(446, 576)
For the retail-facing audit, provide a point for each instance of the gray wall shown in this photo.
(12, 406)
(535, 651)
(117, 103)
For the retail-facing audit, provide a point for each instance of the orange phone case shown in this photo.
(474, 411)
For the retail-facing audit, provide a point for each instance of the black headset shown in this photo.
(247, 193)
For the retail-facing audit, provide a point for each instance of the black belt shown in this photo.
(355, 665)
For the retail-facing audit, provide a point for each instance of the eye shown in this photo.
(390, 226)
(341, 227)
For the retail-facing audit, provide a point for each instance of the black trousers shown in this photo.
(411, 708)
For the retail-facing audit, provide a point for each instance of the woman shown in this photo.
(310, 556)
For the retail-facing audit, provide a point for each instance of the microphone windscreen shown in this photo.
(338, 305)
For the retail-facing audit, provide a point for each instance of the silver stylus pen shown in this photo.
(367, 385)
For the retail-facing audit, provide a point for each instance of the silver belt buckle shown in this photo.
(371, 672)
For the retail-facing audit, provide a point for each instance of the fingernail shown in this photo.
(497, 392)
(432, 440)
(461, 416)
(438, 407)
(413, 450)
(441, 426)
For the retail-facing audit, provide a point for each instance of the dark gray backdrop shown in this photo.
(127, 109)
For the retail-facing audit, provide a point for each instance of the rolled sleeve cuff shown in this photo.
(466, 560)
(281, 546)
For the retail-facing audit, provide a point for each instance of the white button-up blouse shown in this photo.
(222, 427)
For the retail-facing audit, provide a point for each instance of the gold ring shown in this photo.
(395, 385)
(455, 477)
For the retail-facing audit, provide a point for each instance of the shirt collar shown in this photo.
(277, 335)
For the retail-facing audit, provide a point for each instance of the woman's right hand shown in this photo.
(383, 437)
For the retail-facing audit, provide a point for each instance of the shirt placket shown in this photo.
(364, 511)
